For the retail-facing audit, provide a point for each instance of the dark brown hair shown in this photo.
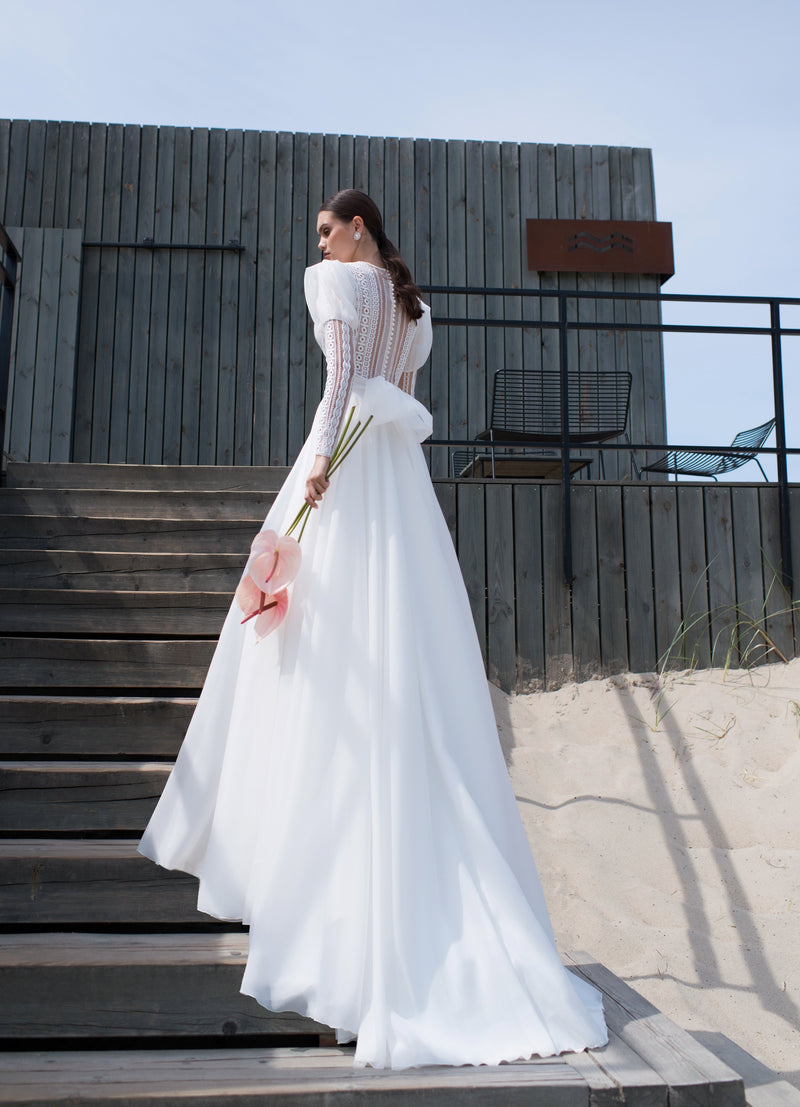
(349, 203)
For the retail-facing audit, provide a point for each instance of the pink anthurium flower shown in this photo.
(249, 597)
(272, 615)
(274, 561)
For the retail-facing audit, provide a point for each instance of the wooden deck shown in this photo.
(648, 1062)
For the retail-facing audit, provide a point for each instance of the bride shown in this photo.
(341, 788)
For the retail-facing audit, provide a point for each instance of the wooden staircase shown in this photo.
(114, 581)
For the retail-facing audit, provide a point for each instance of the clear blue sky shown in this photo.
(710, 87)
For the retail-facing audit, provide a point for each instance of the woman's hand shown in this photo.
(316, 481)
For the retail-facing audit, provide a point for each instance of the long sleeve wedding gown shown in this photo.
(341, 787)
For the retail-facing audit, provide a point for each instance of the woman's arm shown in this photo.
(340, 362)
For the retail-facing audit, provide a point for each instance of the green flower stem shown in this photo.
(346, 441)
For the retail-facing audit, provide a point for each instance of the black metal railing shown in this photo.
(564, 324)
(9, 260)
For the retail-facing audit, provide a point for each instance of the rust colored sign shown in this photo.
(600, 246)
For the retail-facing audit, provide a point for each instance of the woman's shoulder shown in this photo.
(331, 291)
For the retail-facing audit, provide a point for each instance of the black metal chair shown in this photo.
(709, 463)
(527, 405)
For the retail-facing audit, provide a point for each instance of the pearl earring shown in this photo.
(357, 235)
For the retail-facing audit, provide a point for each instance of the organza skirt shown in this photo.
(342, 789)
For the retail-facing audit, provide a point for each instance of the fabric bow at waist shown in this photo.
(387, 403)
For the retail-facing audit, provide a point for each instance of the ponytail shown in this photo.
(349, 203)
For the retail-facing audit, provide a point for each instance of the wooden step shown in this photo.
(61, 663)
(296, 1077)
(119, 504)
(48, 882)
(694, 1075)
(121, 572)
(46, 532)
(78, 796)
(111, 726)
(217, 478)
(65, 985)
(84, 612)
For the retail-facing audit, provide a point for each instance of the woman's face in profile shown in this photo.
(336, 237)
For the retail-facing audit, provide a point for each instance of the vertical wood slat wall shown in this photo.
(208, 358)
(679, 575)
(44, 337)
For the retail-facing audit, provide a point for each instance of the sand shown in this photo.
(665, 821)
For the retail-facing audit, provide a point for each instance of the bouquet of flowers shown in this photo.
(275, 559)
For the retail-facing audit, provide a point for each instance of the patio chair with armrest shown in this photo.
(710, 463)
(526, 405)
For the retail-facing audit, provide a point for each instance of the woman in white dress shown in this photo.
(341, 787)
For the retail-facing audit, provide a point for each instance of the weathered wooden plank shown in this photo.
(585, 596)
(457, 362)
(78, 175)
(557, 617)
(748, 570)
(407, 212)
(247, 299)
(376, 187)
(138, 504)
(110, 477)
(107, 297)
(511, 229)
(586, 310)
(46, 340)
(52, 883)
(299, 322)
(31, 245)
(178, 323)
(195, 280)
(63, 174)
(471, 529)
(694, 647)
(91, 195)
(666, 570)
(60, 446)
(721, 580)
(762, 1086)
(346, 175)
(390, 204)
(361, 164)
(500, 599)
(159, 309)
(126, 277)
(418, 215)
(136, 431)
(546, 195)
(132, 985)
(107, 726)
(493, 273)
(314, 360)
(777, 601)
(49, 174)
(282, 311)
(531, 663)
(616, 465)
(640, 601)
(611, 579)
(438, 375)
(693, 1074)
(228, 339)
(5, 140)
(86, 612)
(300, 1077)
(60, 663)
(652, 365)
(78, 796)
(216, 572)
(17, 168)
(615, 1074)
(476, 305)
(34, 168)
(42, 532)
(212, 289)
(266, 302)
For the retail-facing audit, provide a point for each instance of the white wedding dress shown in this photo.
(341, 787)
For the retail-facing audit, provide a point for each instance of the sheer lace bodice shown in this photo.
(363, 333)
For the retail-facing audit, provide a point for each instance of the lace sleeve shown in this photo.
(339, 358)
(407, 381)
